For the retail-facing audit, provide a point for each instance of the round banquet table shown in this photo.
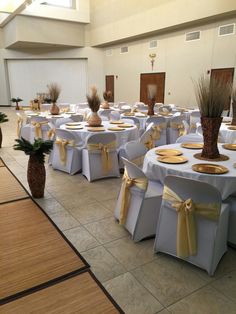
(225, 183)
(229, 136)
(122, 137)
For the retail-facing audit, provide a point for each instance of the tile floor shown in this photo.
(140, 281)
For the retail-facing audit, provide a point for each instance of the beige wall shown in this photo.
(37, 30)
(114, 20)
(182, 61)
(94, 56)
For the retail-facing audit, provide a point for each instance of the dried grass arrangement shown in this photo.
(54, 91)
(151, 93)
(107, 95)
(211, 96)
(93, 100)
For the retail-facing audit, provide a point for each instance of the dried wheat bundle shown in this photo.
(93, 100)
(211, 96)
(152, 91)
(107, 95)
(54, 91)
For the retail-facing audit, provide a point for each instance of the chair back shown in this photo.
(134, 121)
(114, 115)
(38, 119)
(190, 138)
(77, 117)
(133, 171)
(195, 117)
(130, 121)
(66, 135)
(135, 152)
(61, 121)
(103, 138)
(144, 137)
(155, 120)
(105, 114)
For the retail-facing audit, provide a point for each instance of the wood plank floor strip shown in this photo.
(10, 188)
(33, 251)
(79, 294)
(2, 163)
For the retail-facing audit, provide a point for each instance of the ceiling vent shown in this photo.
(153, 44)
(124, 49)
(192, 36)
(109, 52)
(228, 29)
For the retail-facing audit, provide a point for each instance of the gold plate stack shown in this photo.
(172, 159)
(127, 125)
(168, 152)
(74, 127)
(210, 168)
(96, 129)
(229, 146)
(116, 122)
(116, 128)
(73, 123)
(192, 145)
(128, 114)
(233, 127)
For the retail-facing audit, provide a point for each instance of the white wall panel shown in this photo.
(28, 77)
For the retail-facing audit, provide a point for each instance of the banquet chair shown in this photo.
(190, 138)
(22, 129)
(38, 128)
(138, 203)
(195, 117)
(114, 115)
(232, 220)
(177, 128)
(160, 127)
(61, 121)
(105, 114)
(136, 122)
(77, 117)
(146, 138)
(135, 151)
(66, 155)
(193, 223)
(99, 157)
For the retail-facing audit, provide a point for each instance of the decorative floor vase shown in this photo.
(234, 113)
(210, 130)
(94, 119)
(54, 109)
(36, 176)
(105, 105)
(151, 105)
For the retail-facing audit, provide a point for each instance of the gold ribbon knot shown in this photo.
(155, 135)
(19, 126)
(105, 150)
(51, 133)
(179, 126)
(141, 183)
(186, 240)
(62, 143)
(38, 128)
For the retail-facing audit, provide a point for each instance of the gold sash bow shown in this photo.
(19, 126)
(51, 133)
(186, 242)
(141, 183)
(155, 135)
(62, 143)
(105, 150)
(179, 126)
(38, 128)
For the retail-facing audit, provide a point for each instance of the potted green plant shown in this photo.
(16, 100)
(3, 118)
(211, 97)
(36, 174)
(94, 104)
(54, 91)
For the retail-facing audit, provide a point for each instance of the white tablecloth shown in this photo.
(229, 136)
(122, 137)
(226, 183)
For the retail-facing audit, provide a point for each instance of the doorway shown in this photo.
(157, 79)
(110, 85)
(226, 75)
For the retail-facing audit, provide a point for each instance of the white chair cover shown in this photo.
(143, 207)
(211, 234)
(232, 220)
(115, 115)
(105, 114)
(135, 151)
(73, 163)
(195, 117)
(44, 128)
(61, 121)
(77, 117)
(172, 132)
(92, 159)
(190, 138)
(161, 122)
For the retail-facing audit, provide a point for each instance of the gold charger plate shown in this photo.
(116, 122)
(168, 152)
(128, 114)
(96, 129)
(192, 145)
(70, 112)
(230, 146)
(32, 114)
(127, 125)
(232, 127)
(73, 123)
(210, 168)
(141, 115)
(172, 159)
(74, 127)
(116, 129)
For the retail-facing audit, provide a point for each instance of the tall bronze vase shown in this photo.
(36, 176)
(210, 130)
(234, 113)
(151, 105)
(54, 109)
(94, 119)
